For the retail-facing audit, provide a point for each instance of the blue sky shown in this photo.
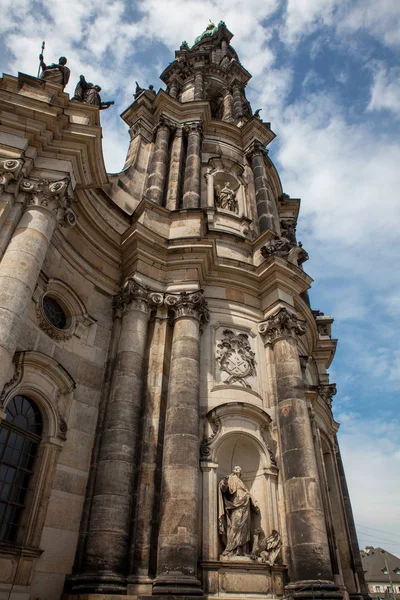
(326, 75)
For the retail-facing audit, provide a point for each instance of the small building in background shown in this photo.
(382, 572)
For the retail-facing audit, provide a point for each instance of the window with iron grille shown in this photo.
(20, 435)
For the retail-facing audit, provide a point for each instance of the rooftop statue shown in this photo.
(56, 73)
(88, 93)
(210, 30)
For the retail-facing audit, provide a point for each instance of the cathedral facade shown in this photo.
(165, 412)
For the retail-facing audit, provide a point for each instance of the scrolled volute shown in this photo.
(9, 169)
(137, 297)
(163, 121)
(188, 304)
(51, 196)
(256, 149)
(282, 324)
(194, 127)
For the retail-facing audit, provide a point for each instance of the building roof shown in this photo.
(380, 565)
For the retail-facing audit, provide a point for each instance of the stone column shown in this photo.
(266, 209)
(309, 550)
(237, 101)
(10, 210)
(191, 184)
(175, 171)
(144, 533)
(174, 88)
(159, 162)
(198, 86)
(228, 107)
(355, 551)
(178, 541)
(106, 552)
(47, 206)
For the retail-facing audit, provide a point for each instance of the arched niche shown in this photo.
(238, 434)
(221, 171)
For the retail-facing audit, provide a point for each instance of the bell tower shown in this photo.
(179, 351)
(232, 483)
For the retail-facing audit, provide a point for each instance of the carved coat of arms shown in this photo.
(236, 358)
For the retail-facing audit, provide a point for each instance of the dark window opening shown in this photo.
(19, 440)
(54, 312)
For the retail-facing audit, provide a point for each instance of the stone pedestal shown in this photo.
(179, 530)
(243, 578)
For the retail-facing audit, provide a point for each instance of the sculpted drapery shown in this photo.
(234, 513)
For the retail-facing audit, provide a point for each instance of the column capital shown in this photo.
(256, 148)
(327, 391)
(164, 122)
(282, 324)
(9, 169)
(194, 127)
(52, 197)
(188, 304)
(135, 296)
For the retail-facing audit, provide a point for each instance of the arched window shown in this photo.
(20, 435)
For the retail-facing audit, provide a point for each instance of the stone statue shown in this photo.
(88, 93)
(234, 514)
(257, 113)
(210, 30)
(138, 90)
(286, 248)
(56, 73)
(226, 198)
(266, 548)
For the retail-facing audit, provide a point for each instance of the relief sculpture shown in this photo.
(236, 358)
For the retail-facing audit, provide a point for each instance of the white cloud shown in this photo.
(371, 451)
(304, 16)
(379, 20)
(385, 92)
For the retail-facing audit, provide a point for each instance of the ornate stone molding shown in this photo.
(256, 149)
(51, 196)
(195, 127)
(327, 391)
(15, 379)
(205, 450)
(282, 324)
(163, 121)
(137, 297)
(188, 304)
(236, 358)
(285, 248)
(9, 170)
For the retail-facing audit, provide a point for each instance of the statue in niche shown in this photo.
(225, 198)
(235, 504)
(266, 549)
(55, 73)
